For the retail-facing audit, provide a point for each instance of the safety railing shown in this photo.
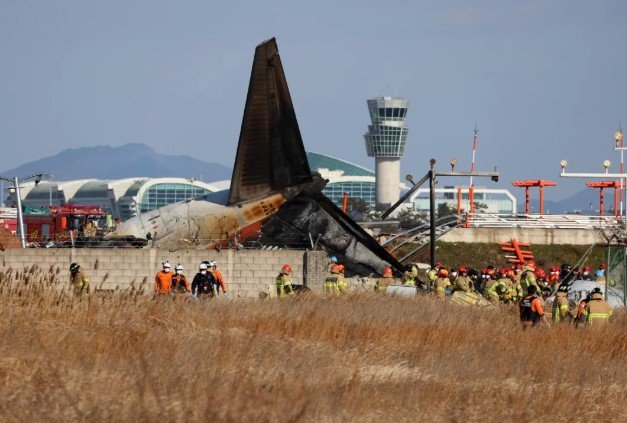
(552, 221)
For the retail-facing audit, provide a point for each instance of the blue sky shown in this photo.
(545, 80)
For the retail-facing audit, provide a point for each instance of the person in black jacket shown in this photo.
(204, 283)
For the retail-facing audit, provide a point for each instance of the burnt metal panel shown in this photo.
(337, 233)
(270, 154)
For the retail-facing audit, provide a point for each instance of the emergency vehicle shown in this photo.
(63, 223)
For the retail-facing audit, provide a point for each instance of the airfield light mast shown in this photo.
(618, 137)
(431, 176)
(471, 188)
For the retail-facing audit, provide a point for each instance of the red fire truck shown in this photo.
(8, 219)
(63, 223)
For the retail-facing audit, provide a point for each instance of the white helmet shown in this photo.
(166, 264)
(202, 266)
(213, 264)
(178, 266)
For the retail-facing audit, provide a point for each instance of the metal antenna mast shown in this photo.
(471, 188)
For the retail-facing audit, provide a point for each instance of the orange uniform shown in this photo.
(163, 282)
(531, 311)
(218, 275)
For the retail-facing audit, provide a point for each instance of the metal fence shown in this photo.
(546, 221)
(617, 269)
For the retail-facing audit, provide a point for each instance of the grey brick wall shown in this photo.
(248, 272)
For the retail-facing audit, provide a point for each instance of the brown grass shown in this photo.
(367, 358)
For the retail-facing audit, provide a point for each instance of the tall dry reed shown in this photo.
(127, 356)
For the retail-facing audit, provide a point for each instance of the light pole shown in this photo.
(619, 138)
(606, 175)
(20, 215)
(431, 176)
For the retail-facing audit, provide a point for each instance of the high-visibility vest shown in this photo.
(597, 311)
(331, 284)
(283, 285)
(560, 306)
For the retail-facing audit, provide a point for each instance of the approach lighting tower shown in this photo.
(385, 141)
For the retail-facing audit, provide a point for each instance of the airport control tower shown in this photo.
(385, 141)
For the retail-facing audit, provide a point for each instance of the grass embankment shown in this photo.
(361, 357)
(479, 255)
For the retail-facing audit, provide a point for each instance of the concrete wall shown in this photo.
(248, 273)
(534, 236)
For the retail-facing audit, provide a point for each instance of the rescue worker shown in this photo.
(180, 284)
(462, 281)
(432, 274)
(484, 281)
(566, 274)
(387, 279)
(330, 285)
(163, 279)
(585, 274)
(332, 261)
(79, 282)
(410, 274)
(204, 284)
(579, 317)
(560, 306)
(516, 290)
(109, 223)
(540, 275)
(452, 275)
(490, 288)
(554, 275)
(528, 278)
(342, 285)
(441, 283)
(283, 283)
(530, 307)
(217, 274)
(518, 271)
(597, 311)
(600, 276)
(504, 287)
(474, 279)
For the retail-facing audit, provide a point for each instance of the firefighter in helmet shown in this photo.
(78, 279)
(283, 282)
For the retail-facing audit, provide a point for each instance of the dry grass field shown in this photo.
(128, 357)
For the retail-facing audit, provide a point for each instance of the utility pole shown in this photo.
(20, 214)
(432, 212)
(618, 137)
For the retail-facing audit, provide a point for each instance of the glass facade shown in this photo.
(159, 195)
(364, 190)
(497, 203)
(387, 135)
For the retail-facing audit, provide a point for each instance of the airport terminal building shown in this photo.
(123, 198)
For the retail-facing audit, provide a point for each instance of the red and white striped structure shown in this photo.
(471, 189)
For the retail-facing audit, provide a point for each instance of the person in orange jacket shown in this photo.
(180, 283)
(163, 279)
(530, 307)
(213, 268)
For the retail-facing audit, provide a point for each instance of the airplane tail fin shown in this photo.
(270, 154)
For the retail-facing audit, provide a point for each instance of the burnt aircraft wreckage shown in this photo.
(274, 197)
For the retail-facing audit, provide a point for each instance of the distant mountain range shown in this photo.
(580, 201)
(126, 161)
